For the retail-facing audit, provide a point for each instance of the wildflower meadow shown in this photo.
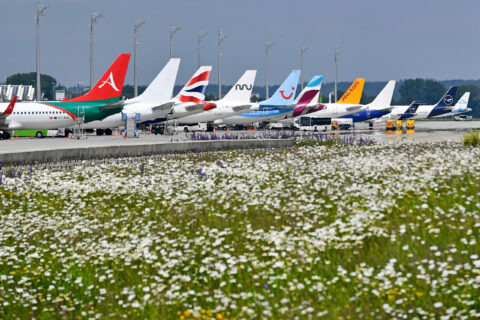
(337, 231)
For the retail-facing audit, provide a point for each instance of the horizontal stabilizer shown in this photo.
(165, 106)
(114, 105)
(354, 108)
(241, 108)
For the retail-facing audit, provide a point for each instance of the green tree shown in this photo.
(427, 91)
(28, 79)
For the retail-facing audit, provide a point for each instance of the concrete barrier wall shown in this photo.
(91, 153)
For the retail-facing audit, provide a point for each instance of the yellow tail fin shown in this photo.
(354, 94)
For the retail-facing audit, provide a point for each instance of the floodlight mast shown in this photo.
(173, 29)
(221, 36)
(201, 35)
(337, 52)
(136, 26)
(268, 45)
(303, 49)
(94, 17)
(41, 10)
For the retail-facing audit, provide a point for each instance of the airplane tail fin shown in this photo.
(242, 90)
(194, 90)
(310, 92)
(9, 109)
(161, 88)
(461, 105)
(354, 94)
(384, 98)
(110, 84)
(285, 94)
(413, 107)
(447, 99)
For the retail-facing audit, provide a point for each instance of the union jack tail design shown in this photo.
(194, 90)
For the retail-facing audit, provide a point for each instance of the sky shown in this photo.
(378, 39)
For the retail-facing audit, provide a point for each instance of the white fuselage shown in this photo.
(223, 110)
(423, 112)
(397, 113)
(335, 110)
(33, 115)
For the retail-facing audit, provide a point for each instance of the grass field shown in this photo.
(343, 231)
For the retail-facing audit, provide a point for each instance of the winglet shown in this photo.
(354, 94)
(110, 84)
(10, 107)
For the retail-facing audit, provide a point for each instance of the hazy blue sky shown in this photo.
(379, 39)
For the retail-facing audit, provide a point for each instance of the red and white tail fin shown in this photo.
(9, 109)
(110, 84)
(194, 90)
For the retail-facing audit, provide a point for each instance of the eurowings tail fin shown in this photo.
(285, 94)
(160, 89)
(310, 93)
(384, 98)
(354, 94)
(194, 90)
(242, 90)
(110, 84)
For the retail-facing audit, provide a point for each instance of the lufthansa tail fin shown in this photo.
(447, 99)
(242, 90)
(413, 107)
(384, 98)
(194, 90)
(160, 90)
(110, 84)
(285, 94)
(354, 94)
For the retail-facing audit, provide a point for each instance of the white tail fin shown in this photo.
(242, 90)
(384, 98)
(462, 104)
(161, 88)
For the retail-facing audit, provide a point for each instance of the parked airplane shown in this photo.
(190, 100)
(154, 102)
(3, 115)
(347, 104)
(283, 98)
(379, 107)
(236, 101)
(444, 106)
(401, 112)
(100, 102)
(460, 107)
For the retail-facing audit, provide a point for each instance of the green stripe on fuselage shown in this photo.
(91, 109)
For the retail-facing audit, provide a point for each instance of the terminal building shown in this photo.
(24, 93)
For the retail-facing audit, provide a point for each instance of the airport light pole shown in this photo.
(268, 45)
(94, 17)
(337, 52)
(41, 10)
(201, 35)
(221, 36)
(303, 49)
(137, 25)
(173, 29)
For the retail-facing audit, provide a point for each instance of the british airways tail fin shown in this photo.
(384, 98)
(161, 88)
(194, 90)
(285, 94)
(242, 90)
(354, 94)
(110, 84)
(310, 92)
(447, 99)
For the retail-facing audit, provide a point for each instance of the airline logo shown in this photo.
(349, 92)
(243, 87)
(109, 81)
(448, 100)
(194, 91)
(282, 92)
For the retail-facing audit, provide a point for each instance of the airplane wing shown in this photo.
(164, 106)
(9, 109)
(114, 105)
